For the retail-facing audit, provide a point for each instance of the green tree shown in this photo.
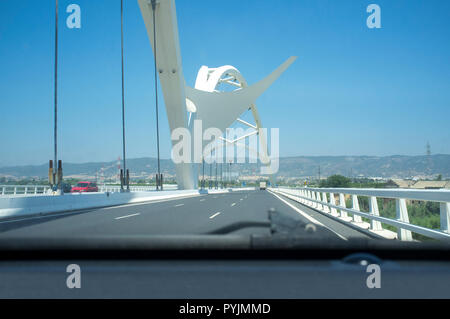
(336, 181)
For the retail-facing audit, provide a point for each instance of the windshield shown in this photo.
(82, 185)
(316, 123)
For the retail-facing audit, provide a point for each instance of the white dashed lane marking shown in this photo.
(126, 216)
(212, 216)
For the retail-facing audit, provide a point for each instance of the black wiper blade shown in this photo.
(238, 226)
(281, 226)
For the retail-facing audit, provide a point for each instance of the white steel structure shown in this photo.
(203, 102)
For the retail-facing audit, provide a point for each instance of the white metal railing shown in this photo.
(23, 189)
(324, 200)
(43, 189)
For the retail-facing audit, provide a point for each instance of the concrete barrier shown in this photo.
(34, 205)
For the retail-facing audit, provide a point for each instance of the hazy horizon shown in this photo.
(165, 159)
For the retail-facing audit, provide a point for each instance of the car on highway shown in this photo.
(67, 188)
(84, 187)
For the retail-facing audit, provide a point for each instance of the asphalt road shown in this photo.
(193, 215)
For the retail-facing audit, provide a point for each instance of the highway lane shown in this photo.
(194, 215)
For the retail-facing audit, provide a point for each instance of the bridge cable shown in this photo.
(55, 125)
(203, 169)
(156, 94)
(123, 102)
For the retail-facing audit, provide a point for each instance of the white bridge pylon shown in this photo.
(221, 109)
(204, 102)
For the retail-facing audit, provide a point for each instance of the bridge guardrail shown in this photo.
(324, 200)
(43, 189)
(23, 189)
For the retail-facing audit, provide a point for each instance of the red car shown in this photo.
(82, 187)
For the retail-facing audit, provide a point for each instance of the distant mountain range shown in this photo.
(396, 166)
(140, 166)
(369, 166)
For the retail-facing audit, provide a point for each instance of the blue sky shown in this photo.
(352, 91)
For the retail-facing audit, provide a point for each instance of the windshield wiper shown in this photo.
(238, 226)
(281, 226)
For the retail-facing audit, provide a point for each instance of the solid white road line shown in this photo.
(233, 204)
(127, 216)
(212, 216)
(179, 205)
(311, 219)
(202, 200)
